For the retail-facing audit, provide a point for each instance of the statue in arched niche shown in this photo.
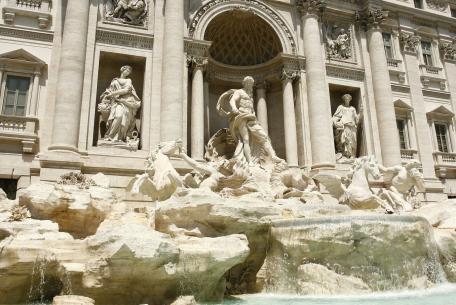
(252, 142)
(118, 107)
(345, 121)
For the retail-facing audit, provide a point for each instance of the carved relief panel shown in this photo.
(131, 12)
(338, 42)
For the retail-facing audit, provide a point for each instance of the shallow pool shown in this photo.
(441, 295)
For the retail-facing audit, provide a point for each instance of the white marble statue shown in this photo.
(132, 12)
(118, 107)
(160, 180)
(403, 181)
(252, 142)
(338, 43)
(240, 161)
(354, 189)
(345, 121)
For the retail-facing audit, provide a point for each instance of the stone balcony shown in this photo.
(39, 10)
(433, 77)
(22, 131)
(396, 69)
(444, 162)
(409, 154)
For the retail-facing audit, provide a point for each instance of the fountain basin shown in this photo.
(351, 255)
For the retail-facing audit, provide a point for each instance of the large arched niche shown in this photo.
(205, 14)
(241, 38)
(247, 38)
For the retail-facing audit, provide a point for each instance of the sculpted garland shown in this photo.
(240, 161)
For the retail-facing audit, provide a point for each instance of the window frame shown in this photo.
(406, 132)
(447, 136)
(29, 91)
(27, 99)
(453, 11)
(420, 6)
(430, 53)
(391, 44)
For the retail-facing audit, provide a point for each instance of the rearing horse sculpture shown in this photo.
(354, 190)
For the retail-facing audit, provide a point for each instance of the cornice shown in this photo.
(16, 32)
(138, 41)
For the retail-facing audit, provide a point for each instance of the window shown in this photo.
(16, 93)
(453, 12)
(418, 4)
(388, 45)
(403, 134)
(426, 49)
(441, 131)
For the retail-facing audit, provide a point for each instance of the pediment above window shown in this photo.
(441, 112)
(20, 60)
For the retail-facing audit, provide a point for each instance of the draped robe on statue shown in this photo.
(345, 121)
(260, 144)
(123, 107)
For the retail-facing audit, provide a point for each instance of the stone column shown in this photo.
(197, 112)
(71, 77)
(207, 109)
(262, 108)
(321, 135)
(289, 118)
(386, 117)
(35, 90)
(424, 143)
(173, 62)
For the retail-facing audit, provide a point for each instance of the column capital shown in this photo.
(448, 50)
(371, 18)
(289, 75)
(409, 42)
(265, 85)
(311, 7)
(197, 62)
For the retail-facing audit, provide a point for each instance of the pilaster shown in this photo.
(409, 44)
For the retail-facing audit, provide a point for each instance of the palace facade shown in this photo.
(61, 60)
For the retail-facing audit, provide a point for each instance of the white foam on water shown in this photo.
(446, 288)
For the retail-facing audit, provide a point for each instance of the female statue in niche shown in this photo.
(118, 106)
(345, 121)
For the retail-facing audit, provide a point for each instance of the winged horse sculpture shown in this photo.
(354, 190)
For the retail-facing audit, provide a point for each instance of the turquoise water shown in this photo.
(441, 295)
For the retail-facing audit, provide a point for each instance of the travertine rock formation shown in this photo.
(318, 279)
(72, 300)
(199, 243)
(384, 252)
(77, 211)
(124, 261)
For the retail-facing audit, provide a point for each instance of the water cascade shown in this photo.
(352, 254)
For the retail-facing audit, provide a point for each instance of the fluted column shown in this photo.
(386, 117)
(262, 108)
(173, 60)
(321, 135)
(71, 76)
(197, 112)
(289, 117)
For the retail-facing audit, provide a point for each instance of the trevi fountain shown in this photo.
(241, 225)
